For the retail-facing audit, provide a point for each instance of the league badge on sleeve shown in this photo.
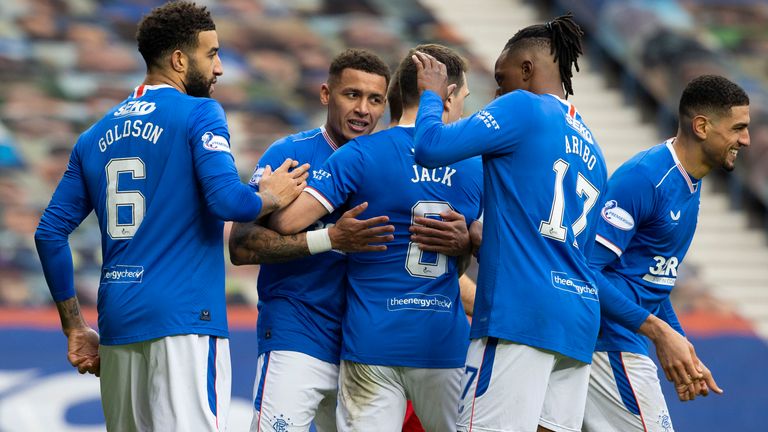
(215, 142)
(617, 216)
(256, 177)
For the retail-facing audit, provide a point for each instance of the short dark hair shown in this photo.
(563, 37)
(395, 99)
(357, 59)
(174, 25)
(455, 66)
(710, 95)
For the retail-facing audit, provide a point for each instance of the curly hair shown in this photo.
(357, 59)
(563, 37)
(174, 25)
(455, 66)
(710, 95)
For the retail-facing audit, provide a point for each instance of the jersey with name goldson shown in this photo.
(301, 302)
(403, 305)
(543, 175)
(146, 169)
(648, 221)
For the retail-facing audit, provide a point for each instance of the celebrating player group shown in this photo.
(363, 238)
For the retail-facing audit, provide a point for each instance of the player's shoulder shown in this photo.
(649, 166)
(303, 139)
(517, 99)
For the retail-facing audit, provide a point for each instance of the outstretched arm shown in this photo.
(438, 144)
(251, 243)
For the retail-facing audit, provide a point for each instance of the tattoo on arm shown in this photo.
(269, 203)
(69, 313)
(250, 243)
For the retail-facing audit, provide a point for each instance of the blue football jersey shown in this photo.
(403, 305)
(544, 174)
(648, 221)
(301, 302)
(158, 172)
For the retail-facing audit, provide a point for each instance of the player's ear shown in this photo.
(325, 94)
(448, 102)
(179, 61)
(700, 126)
(526, 69)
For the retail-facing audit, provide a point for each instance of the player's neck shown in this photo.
(161, 77)
(337, 138)
(409, 116)
(689, 154)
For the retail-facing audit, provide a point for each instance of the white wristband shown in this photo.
(318, 241)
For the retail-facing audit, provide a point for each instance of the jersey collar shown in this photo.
(328, 138)
(693, 187)
(143, 89)
(571, 107)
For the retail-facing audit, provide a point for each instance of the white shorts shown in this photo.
(291, 390)
(175, 383)
(625, 395)
(373, 398)
(512, 387)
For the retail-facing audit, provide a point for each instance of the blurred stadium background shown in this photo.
(64, 62)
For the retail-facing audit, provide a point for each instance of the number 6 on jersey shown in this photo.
(117, 198)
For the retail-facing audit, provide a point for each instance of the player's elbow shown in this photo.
(44, 233)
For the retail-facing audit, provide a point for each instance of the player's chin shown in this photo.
(351, 134)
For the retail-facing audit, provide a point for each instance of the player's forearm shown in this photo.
(70, 315)
(428, 148)
(300, 214)
(269, 203)
(467, 288)
(437, 144)
(668, 315)
(654, 328)
(56, 259)
(250, 243)
(617, 307)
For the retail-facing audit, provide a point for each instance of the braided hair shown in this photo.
(563, 36)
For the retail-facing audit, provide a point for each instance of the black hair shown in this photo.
(358, 59)
(395, 99)
(710, 95)
(174, 25)
(455, 66)
(563, 36)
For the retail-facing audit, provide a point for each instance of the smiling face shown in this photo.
(725, 136)
(355, 101)
(204, 65)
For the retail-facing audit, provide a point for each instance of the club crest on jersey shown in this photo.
(617, 216)
(214, 142)
(135, 108)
